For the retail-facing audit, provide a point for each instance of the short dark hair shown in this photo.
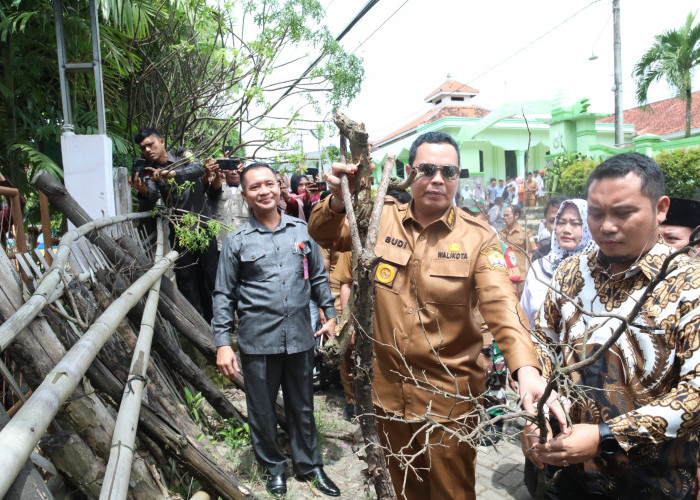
(400, 196)
(499, 199)
(254, 166)
(517, 211)
(146, 132)
(432, 138)
(554, 201)
(492, 179)
(620, 165)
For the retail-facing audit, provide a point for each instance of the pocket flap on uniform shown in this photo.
(397, 256)
(251, 255)
(450, 268)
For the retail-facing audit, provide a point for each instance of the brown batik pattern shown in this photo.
(645, 387)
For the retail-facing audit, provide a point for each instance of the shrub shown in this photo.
(574, 176)
(681, 169)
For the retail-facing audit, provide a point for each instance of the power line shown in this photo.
(385, 21)
(368, 6)
(533, 42)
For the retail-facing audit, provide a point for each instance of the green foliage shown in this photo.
(235, 435)
(195, 403)
(37, 160)
(193, 234)
(672, 57)
(681, 169)
(333, 153)
(556, 167)
(202, 72)
(572, 181)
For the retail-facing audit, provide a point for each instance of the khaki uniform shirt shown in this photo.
(517, 239)
(426, 285)
(530, 192)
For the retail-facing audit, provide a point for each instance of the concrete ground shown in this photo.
(499, 472)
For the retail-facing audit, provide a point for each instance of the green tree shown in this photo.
(681, 169)
(574, 176)
(672, 57)
(204, 73)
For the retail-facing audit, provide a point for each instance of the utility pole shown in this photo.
(617, 48)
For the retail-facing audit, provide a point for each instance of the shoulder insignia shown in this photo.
(386, 274)
(451, 218)
(496, 260)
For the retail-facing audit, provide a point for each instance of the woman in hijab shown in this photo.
(571, 237)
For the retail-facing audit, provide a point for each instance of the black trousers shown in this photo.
(264, 373)
(196, 277)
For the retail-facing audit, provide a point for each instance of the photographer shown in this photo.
(223, 180)
(176, 178)
(306, 192)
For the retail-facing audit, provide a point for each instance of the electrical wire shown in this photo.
(533, 42)
(368, 6)
(385, 21)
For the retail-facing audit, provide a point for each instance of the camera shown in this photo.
(318, 186)
(228, 163)
(138, 166)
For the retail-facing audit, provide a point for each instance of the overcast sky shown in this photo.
(413, 52)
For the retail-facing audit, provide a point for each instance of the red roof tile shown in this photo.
(452, 86)
(662, 117)
(436, 114)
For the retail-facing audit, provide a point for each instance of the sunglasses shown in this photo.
(448, 172)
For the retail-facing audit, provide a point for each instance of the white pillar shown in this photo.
(87, 170)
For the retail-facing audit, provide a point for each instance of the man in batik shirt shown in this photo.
(637, 415)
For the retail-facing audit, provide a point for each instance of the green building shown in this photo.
(494, 143)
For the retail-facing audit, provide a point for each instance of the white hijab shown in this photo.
(557, 254)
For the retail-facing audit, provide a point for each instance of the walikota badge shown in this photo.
(496, 260)
(385, 274)
(454, 247)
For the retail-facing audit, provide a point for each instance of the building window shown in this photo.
(481, 161)
(438, 101)
(457, 98)
(400, 170)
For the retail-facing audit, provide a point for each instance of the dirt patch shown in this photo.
(340, 453)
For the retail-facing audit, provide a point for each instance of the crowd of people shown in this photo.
(465, 296)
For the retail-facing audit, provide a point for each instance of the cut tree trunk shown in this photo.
(364, 262)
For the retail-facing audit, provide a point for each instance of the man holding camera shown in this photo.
(176, 178)
(229, 207)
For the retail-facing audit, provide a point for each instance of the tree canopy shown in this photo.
(203, 73)
(672, 57)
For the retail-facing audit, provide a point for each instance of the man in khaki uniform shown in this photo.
(436, 264)
(521, 243)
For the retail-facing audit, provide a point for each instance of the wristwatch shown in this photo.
(608, 443)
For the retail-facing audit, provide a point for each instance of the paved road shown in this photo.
(499, 472)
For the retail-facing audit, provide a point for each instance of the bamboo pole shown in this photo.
(21, 435)
(51, 280)
(118, 471)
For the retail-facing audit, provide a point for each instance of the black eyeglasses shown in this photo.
(448, 172)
